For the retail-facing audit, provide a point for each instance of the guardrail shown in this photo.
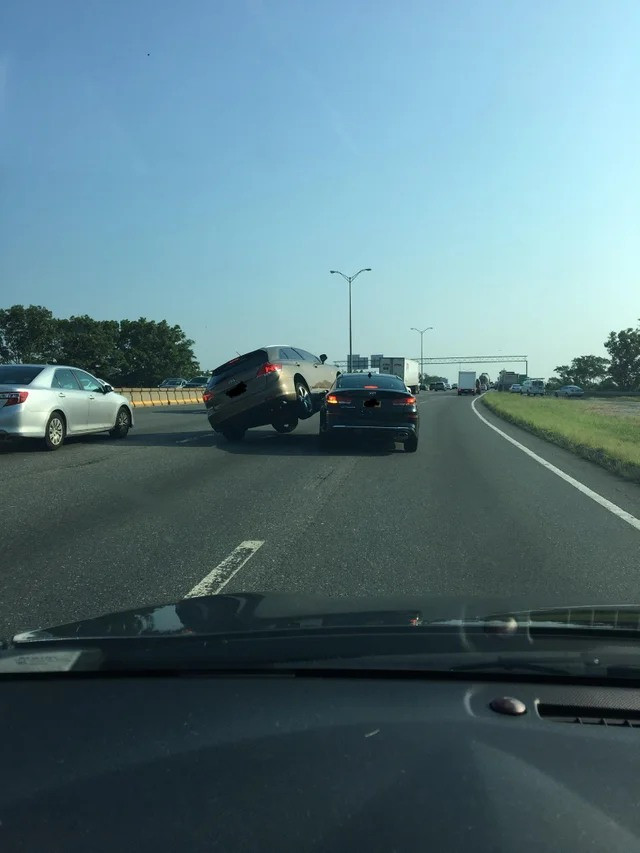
(161, 396)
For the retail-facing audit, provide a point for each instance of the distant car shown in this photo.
(197, 382)
(423, 387)
(515, 389)
(276, 385)
(569, 391)
(439, 386)
(533, 388)
(173, 383)
(376, 405)
(51, 402)
(454, 387)
(432, 386)
(483, 387)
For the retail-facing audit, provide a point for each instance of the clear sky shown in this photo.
(208, 161)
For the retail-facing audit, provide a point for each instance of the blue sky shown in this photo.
(207, 162)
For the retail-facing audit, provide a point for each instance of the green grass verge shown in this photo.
(612, 440)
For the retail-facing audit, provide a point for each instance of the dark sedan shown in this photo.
(370, 404)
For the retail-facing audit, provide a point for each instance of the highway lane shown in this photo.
(104, 524)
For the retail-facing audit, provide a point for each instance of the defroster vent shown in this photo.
(589, 716)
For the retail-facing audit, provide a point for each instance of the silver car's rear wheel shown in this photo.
(55, 431)
(304, 400)
(123, 424)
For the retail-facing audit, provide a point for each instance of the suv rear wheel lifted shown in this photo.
(285, 424)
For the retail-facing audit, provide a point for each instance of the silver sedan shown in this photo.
(568, 391)
(51, 402)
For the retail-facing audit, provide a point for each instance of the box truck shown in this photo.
(406, 368)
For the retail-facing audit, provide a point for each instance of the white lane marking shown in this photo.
(224, 571)
(194, 438)
(622, 514)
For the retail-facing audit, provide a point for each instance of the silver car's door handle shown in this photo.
(92, 397)
(60, 394)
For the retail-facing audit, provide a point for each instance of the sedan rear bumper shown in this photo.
(397, 432)
(16, 422)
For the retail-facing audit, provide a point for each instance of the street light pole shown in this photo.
(421, 333)
(349, 279)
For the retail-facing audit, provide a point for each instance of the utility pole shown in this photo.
(421, 333)
(349, 279)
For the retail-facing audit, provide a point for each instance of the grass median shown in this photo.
(609, 436)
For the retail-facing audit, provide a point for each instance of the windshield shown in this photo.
(228, 210)
(17, 374)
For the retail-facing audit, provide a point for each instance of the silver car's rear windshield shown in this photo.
(249, 359)
(18, 374)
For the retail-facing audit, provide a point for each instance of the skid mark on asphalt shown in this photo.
(614, 509)
(219, 577)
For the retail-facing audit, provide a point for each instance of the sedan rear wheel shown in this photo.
(411, 444)
(303, 400)
(55, 431)
(123, 424)
(325, 439)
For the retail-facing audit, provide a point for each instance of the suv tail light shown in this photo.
(13, 398)
(206, 396)
(267, 368)
(405, 401)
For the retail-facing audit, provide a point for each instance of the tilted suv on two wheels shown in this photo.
(277, 385)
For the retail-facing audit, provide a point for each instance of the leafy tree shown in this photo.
(484, 379)
(28, 334)
(624, 349)
(584, 370)
(93, 345)
(152, 351)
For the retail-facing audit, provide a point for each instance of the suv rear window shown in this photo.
(360, 380)
(18, 374)
(242, 362)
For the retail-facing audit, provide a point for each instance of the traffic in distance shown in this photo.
(277, 385)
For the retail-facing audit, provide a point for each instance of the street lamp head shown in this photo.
(367, 269)
(333, 272)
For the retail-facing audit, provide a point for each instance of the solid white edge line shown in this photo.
(219, 577)
(622, 514)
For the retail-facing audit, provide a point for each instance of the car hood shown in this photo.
(259, 612)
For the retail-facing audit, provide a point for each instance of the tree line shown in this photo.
(619, 372)
(134, 353)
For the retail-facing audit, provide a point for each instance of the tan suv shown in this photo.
(275, 385)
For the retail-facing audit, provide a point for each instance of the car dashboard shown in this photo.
(305, 763)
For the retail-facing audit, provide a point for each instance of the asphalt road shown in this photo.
(104, 525)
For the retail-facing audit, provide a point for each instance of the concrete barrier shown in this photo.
(144, 397)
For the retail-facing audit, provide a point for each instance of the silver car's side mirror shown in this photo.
(323, 357)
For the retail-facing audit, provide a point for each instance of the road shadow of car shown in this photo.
(263, 443)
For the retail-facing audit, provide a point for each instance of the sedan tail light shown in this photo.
(13, 398)
(268, 367)
(334, 399)
(405, 401)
